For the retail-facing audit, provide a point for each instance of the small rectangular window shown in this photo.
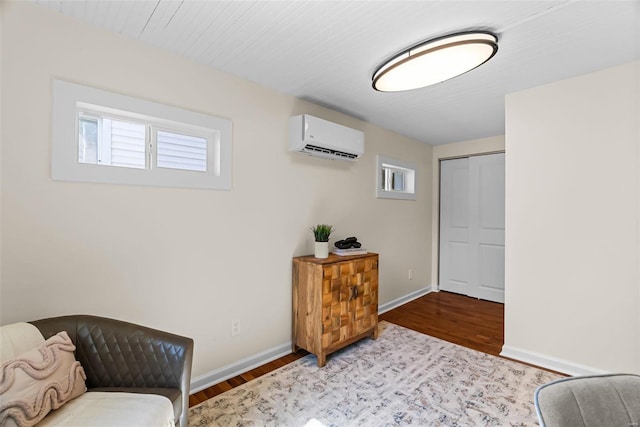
(392, 178)
(397, 179)
(100, 136)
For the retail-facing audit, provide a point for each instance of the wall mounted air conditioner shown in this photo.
(317, 137)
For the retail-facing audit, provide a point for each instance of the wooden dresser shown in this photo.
(335, 302)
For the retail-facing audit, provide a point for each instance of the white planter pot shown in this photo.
(321, 250)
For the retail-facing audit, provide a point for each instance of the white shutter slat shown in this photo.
(176, 151)
(184, 147)
(128, 144)
(185, 141)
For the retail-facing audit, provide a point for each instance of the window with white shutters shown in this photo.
(105, 137)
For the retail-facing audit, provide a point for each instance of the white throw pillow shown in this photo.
(39, 381)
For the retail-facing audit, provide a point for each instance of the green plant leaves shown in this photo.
(321, 232)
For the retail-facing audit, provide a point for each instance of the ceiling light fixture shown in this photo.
(435, 61)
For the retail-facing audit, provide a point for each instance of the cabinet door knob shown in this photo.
(354, 292)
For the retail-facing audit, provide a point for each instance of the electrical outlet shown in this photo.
(410, 274)
(235, 327)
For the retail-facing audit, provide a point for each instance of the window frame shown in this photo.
(409, 171)
(69, 99)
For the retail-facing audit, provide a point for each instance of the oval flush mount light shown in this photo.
(435, 61)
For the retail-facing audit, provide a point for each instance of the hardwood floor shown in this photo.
(459, 319)
(219, 388)
(455, 318)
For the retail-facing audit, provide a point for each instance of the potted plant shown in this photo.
(321, 233)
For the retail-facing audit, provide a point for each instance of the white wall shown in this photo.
(187, 261)
(493, 144)
(572, 197)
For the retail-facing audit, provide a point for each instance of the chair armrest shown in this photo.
(114, 353)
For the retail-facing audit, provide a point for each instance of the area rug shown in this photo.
(402, 378)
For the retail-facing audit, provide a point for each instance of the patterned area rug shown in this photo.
(402, 378)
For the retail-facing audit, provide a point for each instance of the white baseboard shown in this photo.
(548, 362)
(218, 375)
(404, 299)
(241, 366)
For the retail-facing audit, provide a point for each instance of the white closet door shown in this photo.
(472, 226)
(455, 268)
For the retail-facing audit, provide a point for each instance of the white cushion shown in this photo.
(18, 338)
(113, 409)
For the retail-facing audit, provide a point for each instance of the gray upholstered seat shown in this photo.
(590, 401)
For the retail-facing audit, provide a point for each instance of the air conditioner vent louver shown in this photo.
(321, 138)
(337, 153)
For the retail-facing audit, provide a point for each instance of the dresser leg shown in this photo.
(374, 333)
(322, 360)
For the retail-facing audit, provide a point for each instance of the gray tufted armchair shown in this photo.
(124, 357)
(611, 400)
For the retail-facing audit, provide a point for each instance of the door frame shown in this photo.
(478, 147)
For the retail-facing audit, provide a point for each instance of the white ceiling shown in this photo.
(326, 51)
